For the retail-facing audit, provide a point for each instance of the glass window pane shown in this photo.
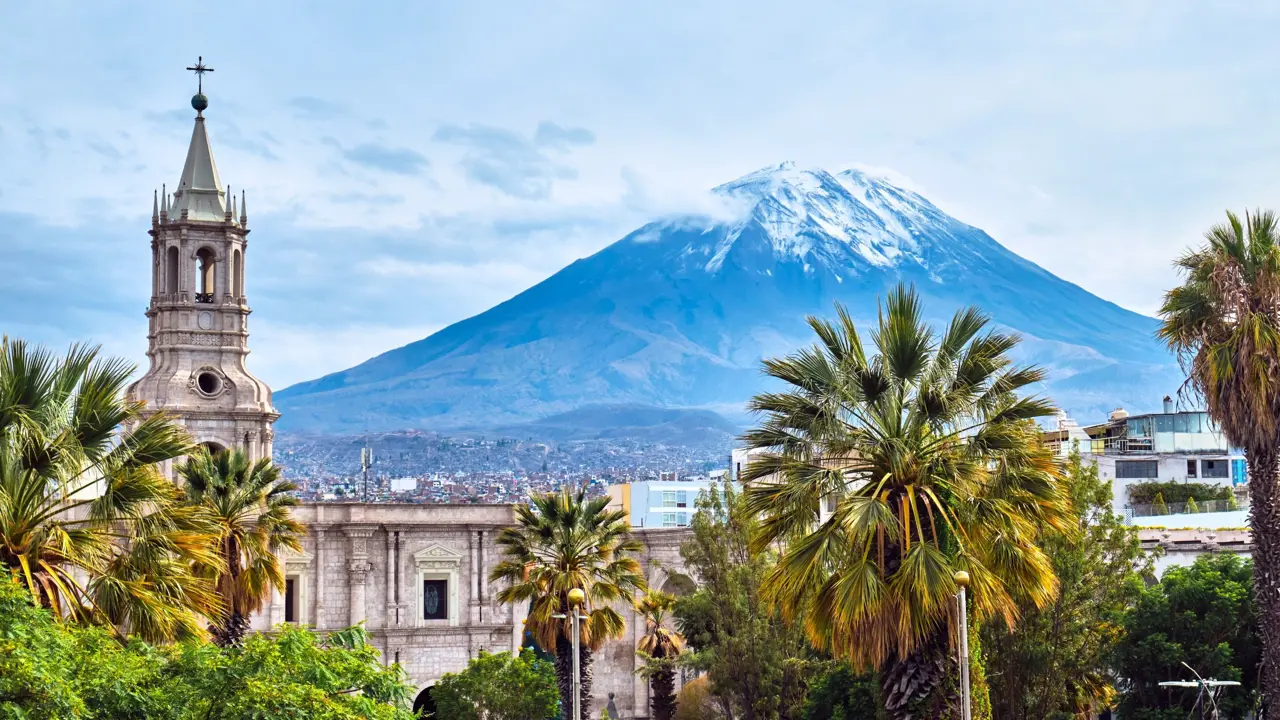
(1180, 423)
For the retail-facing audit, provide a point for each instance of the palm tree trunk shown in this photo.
(564, 676)
(662, 695)
(1264, 526)
(584, 660)
(921, 686)
(232, 631)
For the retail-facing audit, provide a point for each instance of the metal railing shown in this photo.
(1183, 508)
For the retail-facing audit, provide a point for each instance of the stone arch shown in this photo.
(206, 284)
(678, 584)
(213, 447)
(171, 271)
(424, 705)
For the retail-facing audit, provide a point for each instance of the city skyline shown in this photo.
(415, 172)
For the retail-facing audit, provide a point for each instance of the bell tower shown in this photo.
(198, 316)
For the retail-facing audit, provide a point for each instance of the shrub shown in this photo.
(1145, 493)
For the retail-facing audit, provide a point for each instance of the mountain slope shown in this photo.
(679, 313)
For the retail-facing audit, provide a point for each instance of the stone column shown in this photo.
(358, 568)
(275, 612)
(392, 618)
(473, 565)
(317, 618)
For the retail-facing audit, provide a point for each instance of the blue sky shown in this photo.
(409, 164)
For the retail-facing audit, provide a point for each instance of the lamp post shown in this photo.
(962, 582)
(576, 598)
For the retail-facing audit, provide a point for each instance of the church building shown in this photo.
(415, 576)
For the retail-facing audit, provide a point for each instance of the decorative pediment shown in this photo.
(295, 562)
(437, 556)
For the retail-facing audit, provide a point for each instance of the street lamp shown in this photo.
(962, 582)
(576, 599)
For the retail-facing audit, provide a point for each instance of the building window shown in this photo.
(171, 272)
(435, 599)
(1215, 468)
(291, 599)
(669, 499)
(204, 275)
(1191, 468)
(669, 520)
(237, 275)
(682, 498)
(1136, 469)
(830, 502)
(682, 520)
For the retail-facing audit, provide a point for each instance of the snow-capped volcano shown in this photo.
(680, 312)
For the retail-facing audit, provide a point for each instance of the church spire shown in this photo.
(199, 195)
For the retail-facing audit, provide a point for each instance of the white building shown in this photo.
(1165, 447)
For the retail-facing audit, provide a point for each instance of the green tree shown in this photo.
(1223, 324)
(759, 667)
(499, 687)
(928, 456)
(54, 671)
(1192, 507)
(1056, 663)
(564, 541)
(1200, 615)
(88, 524)
(659, 648)
(251, 508)
(841, 694)
(1158, 506)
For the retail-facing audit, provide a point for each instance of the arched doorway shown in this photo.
(424, 706)
(679, 585)
(211, 447)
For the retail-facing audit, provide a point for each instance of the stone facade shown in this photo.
(198, 329)
(371, 564)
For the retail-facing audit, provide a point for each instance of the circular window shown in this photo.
(208, 383)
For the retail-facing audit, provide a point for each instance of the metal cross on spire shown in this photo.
(199, 69)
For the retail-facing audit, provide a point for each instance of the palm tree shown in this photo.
(1223, 323)
(928, 460)
(250, 504)
(564, 541)
(659, 649)
(88, 523)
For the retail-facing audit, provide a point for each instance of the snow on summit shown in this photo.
(829, 220)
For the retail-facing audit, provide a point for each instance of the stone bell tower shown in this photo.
(198, 317)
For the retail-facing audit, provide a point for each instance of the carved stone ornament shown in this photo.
(221, 384)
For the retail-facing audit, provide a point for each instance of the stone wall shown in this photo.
(366, 563)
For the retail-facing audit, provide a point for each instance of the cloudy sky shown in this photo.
(409, 164)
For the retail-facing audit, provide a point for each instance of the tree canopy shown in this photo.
(55, 671)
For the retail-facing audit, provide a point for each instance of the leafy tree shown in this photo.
(928, 456)
(564, 541)
(250, 505)
(88, 524)
(1055, 664)
(499, 687)
(841, 694)
(659, 648)
(54, 671)
(1223, 324)
(758, 666)
(1200, 615)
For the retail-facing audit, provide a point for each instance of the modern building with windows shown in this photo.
(658, 504)
(1169, 447)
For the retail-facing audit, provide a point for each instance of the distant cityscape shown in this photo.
(429, 467)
